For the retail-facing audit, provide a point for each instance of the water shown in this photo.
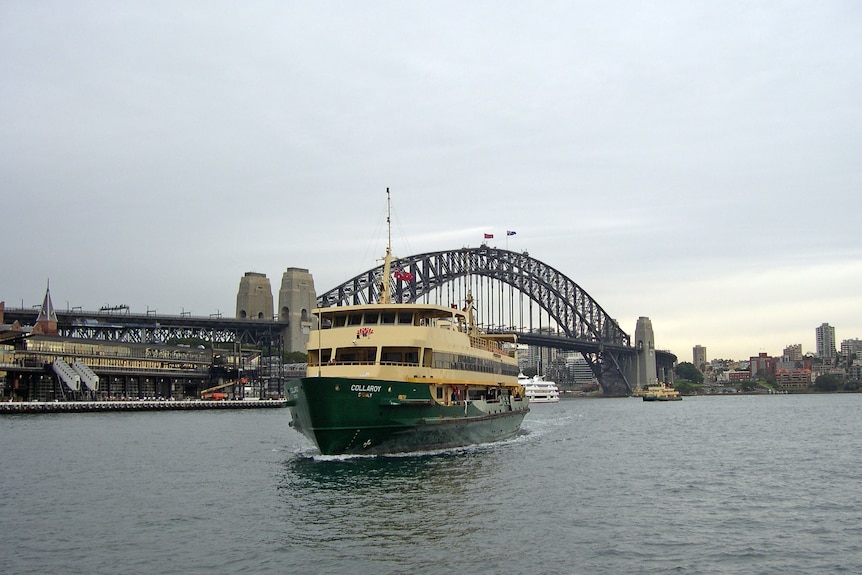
(708, 485)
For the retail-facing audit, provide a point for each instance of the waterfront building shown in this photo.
(825, 338)
(793, 378)
(38, 364)
(37, 369)
(736, 376)
(698, 354)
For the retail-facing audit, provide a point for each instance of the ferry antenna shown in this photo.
(385, 295)
(388, 221)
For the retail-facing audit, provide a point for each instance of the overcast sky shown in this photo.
(699, 163)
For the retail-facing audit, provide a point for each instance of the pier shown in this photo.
(21, 407)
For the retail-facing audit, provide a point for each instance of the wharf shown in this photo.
(18, 407)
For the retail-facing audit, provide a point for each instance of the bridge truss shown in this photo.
(140, 328)
(515, 293)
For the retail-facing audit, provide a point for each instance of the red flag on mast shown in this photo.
(403, 276)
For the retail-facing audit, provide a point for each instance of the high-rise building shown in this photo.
(851, 347)
(793, 352)
(825, 335)
(698, 354)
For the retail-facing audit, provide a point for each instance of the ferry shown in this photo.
(540, 390)
(390, 377)
(661, 392)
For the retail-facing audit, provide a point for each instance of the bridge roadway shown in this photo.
(151, 328)
(665, 360)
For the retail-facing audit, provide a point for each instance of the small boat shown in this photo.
(660, 392)
(539, 390)
(388, 377)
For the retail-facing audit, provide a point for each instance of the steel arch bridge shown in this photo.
(517, 293)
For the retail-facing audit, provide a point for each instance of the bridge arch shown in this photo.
(579, 322)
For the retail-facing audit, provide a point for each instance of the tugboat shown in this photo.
(398, 377)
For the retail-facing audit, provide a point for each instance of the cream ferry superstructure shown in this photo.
(387, 377)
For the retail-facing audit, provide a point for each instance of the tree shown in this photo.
(827, 382)
(685, 387)
(687, 370)
(748, 385)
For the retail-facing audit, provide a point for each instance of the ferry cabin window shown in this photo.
(400, 355)
(405, 317)
(371, 317)
(356, 355)
(388, 317)
(340, 320)
(354, 319)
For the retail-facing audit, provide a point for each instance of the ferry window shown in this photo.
(371, 317)
(388, 317)
(405, 317)
(405, 355)
(388, 356)
(325, 355)
(340, 320)
(354, 319)
(356, 355)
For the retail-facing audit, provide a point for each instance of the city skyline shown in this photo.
(824, 347)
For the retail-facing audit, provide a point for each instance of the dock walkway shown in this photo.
(18, 407)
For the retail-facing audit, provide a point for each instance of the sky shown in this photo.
(697, 163)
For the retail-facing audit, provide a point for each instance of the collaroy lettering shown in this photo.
(371, 388)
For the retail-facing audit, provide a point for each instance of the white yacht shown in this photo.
(539, 390)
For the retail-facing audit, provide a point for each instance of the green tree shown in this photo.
(827, 382)
(748, 385)
(685, 387)
(687, 370)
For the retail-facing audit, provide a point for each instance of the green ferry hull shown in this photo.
(361, 416)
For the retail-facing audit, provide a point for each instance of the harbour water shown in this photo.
(712, 485)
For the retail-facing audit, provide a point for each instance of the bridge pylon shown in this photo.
(643, 367)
